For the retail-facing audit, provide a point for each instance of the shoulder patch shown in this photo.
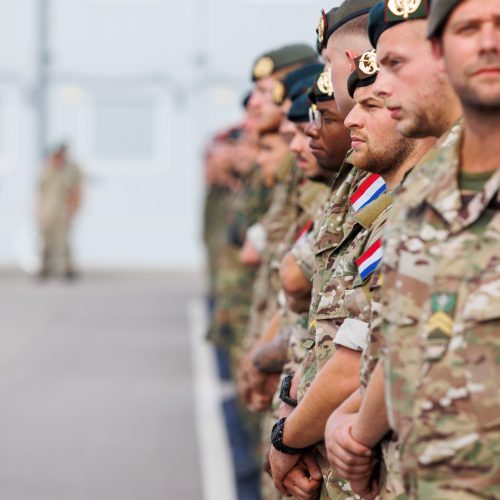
(369, 190)
(370, 260)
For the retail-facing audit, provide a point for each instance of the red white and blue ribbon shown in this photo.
(369, 190)
(370, 260)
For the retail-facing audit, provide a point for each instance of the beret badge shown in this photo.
(321, 29)
(405, 9)
(263, 68)
(325, 83)
(366, 64)
(279, 93)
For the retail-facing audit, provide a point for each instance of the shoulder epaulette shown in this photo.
(370, 213)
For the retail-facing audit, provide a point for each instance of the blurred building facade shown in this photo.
(135, 87)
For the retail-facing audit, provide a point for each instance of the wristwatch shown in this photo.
(285, 392)
(277, 440)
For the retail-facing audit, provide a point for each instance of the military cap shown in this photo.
(388, 13)
(303, 86)
(322, 89)
(349, 10)
(325, 21)
(365, 73)
(440, 11)
(279, 59)
(299, 112)
(282, 88)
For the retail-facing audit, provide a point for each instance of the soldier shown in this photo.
(419, 96)
(329, 372)
(269, 357)
(235, 279)
(59, 198)
(439, 309)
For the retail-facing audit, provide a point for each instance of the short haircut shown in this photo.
(356, 26)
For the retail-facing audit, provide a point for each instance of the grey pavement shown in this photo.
(96, 391)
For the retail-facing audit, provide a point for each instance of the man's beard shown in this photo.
(384, 162)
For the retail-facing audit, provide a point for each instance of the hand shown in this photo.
(367, 488)
(257, 379)
(259, 402)
(352, 460)
(304, 480)
(281, 465)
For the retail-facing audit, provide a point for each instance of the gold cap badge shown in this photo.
(263, 68)
(366, 65)
(279, 93)
(321, 29)
(325, 83)
(403, 8)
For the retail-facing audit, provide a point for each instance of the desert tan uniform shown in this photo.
(59, 193)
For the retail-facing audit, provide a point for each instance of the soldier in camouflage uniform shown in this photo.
(339, 326)
(429, 107)
(439, 308)
(235, 280)
(59, 198)
(221, 179)
(282, 215)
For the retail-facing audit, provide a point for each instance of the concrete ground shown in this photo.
(96, 388)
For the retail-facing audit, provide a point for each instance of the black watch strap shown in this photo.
(285, 392)
(277, 440)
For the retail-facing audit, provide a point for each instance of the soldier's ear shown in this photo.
(437, 52)
(350, 56)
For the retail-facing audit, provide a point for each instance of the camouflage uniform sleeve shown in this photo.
(304, 255)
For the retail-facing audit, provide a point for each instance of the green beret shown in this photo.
(322, 89)
(440, 11)
(276, 60)
(365, 73)
(325, 21)
(349, 10)
(388, 13)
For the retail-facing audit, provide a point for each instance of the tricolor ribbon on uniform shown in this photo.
(369, 190)
(370, 260)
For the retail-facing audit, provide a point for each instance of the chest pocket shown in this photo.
(332, 304)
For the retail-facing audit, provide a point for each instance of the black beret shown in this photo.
(349, 10)
(322, 90)
(365, 73)
(384, 15)
(325, 21)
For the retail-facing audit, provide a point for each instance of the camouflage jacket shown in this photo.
(308, 197)
(440, 322)
(339, 308)
(340, 240)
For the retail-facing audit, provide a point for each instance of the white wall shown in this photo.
(151, 79)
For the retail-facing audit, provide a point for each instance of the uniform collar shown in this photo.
(435, 183)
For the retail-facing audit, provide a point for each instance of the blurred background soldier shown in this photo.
(59, 198)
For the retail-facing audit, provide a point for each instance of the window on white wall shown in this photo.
(124, 130)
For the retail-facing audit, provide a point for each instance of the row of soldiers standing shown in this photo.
(353, 229)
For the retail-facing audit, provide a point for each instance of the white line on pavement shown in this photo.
(215, 457)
